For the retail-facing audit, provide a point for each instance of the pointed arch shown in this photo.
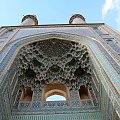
(107, 77)
(55, 88)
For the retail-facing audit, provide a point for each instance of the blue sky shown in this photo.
(59, 11)
(55, 98)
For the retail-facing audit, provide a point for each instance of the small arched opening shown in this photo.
(84, 93)
(26, 94)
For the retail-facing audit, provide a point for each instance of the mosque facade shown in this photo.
(79, 61)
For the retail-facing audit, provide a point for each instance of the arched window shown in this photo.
(84, 93)
(55, 92)
(26, 94)
(56, 98)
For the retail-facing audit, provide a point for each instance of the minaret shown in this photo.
(77, 19)
(29, 20)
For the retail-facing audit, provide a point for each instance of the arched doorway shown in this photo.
(55, 92)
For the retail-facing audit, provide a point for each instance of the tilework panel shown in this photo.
(31, 31)
(79, 116)
(111, 46)
(65, 110)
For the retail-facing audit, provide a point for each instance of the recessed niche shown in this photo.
(79, 72)
(54, 68)
(72, 62)
(27, 94)
(36, 62)
(29, 73)
(84, 93)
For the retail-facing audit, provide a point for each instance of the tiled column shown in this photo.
(17, 99)
(94, 92)
(36, 99)
(75, 100)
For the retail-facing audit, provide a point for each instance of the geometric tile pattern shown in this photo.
(103, 94)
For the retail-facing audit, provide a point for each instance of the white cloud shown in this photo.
(106, 7)
(112, 5)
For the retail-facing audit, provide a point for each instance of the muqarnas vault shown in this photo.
(79, 61)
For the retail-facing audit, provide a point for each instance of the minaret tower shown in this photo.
(77, 19)
(29, 20)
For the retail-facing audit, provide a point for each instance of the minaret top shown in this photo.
(29, 20)
(77, 19)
